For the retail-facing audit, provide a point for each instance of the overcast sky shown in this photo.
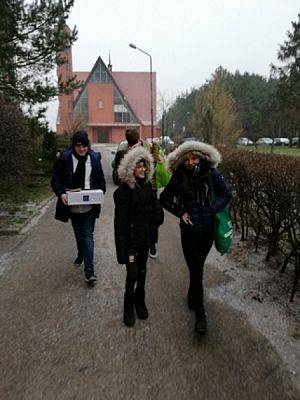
(188, 40)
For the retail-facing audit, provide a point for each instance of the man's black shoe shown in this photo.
(78, 261)
(90, 277)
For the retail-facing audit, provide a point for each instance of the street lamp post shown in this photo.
(133, 46)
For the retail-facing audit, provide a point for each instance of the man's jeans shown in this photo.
(83, 225)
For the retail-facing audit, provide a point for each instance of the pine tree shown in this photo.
(32, 35)
(289, 76)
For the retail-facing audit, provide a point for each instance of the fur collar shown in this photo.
(128, 163)
(205, 151)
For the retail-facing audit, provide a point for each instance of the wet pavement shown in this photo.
(60, 339)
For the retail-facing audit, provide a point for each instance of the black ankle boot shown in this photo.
(200, 322)
(140, 306)
(129, 315)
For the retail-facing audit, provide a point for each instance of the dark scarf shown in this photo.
(78, 179)
(195, 186)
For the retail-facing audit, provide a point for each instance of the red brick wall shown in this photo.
(105, 93)
(145, 132)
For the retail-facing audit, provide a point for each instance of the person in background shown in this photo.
(132, 137)
(79, 168)
(188, 196)
(160, 177)
(136, 208)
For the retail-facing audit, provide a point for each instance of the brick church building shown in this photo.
(108, 103)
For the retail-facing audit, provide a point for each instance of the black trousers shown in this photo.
(195, 249)
(136, 274)
(153, 234)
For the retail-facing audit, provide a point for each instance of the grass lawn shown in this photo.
(290, 151)
(17, 204)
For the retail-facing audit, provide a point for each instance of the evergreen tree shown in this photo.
(178, 114)
(289, 77)
(255, 97)
(16, 145)
(32, 35)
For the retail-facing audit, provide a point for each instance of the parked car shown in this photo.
(295, 141)
(155, 139)
(264, 140)
(165, 140)
(281, 142)
(243, 141)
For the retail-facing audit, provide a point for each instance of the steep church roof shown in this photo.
(134, 87)
(92, 77)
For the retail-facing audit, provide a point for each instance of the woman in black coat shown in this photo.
(188, 197)
(136, 207)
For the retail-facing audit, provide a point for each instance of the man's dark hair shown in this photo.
(132, 136)
(80, 137)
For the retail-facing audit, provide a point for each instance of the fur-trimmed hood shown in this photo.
(205, 151)
(128, 164)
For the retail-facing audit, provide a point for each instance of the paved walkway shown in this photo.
(62, 340)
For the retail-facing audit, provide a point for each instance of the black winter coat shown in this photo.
(190, 191)
(135, 210)
(62, 180)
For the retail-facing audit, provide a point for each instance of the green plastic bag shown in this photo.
(162, 175)
(223, 226)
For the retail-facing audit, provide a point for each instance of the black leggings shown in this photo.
(195, 249)
(136, 272)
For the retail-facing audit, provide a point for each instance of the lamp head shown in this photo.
(132, 45)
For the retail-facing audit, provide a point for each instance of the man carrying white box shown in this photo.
(79, 184)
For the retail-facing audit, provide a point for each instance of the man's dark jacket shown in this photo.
(62, 180)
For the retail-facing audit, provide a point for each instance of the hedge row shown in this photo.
(266, 201)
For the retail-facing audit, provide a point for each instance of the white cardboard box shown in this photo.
(85, 197)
